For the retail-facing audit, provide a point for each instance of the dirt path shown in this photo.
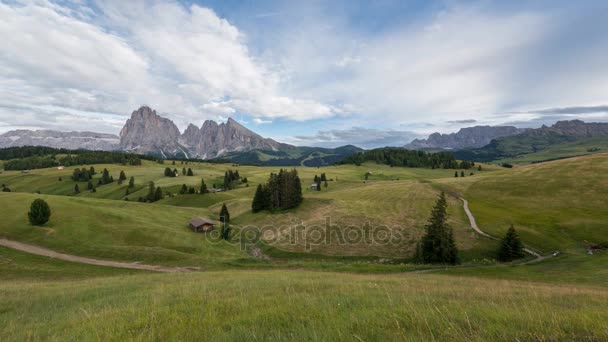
(83, 260)
(538, 257)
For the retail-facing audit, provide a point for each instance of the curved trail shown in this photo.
(537, 256)
(31, 249)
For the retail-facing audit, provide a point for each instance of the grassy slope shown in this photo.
(564, 150)
(400, 198)
(554, 206)
(278, 305)
(115, 230)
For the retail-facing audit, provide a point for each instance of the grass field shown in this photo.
(303, 290)
(397, 198)
(300, 305)
(559, 205)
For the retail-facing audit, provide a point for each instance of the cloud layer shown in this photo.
(391, 69)
(185, 61)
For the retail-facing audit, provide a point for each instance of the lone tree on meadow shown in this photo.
(184, 189)
(203, 188)
(438, 246)
(224, 214)
(511, 247)
(122, 177)
(456, 174)
(225, 219)
(132, 182)
(76, 189)
(39, 213)
(190, 173)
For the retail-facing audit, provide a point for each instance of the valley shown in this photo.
(555, 206)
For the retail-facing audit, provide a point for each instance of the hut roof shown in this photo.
(199, 221)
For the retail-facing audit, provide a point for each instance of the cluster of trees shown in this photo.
(282, 191)
(106, 178)
(187, 190)
(318, 180)
(462, 174)
(154, 193)
(231, 179)
(5, 188)
(37, 157)
(171, 173)
(83, 175)
(407, 158)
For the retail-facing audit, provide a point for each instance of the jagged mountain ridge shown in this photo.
(147, 132)
(468, 137)
(56, 139)
(535, 140)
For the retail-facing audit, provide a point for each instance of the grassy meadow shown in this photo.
(305, 290)
(300, 305)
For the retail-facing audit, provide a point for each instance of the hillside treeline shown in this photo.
(407, 158)
(38, 157)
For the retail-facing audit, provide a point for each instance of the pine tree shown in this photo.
(438, 245)
(39, 213)
(151, 192)
(190, 173)
(456, 174)
(203, 189)
(224, 214)
(122, 176)
(461, 173)
(258, 203)
(479, 167)
(169, 173)
(158, 194)
(184, 189)
(132, 182)
(225, 232)
(511, 247)
(183, 171)
(76, 189)
(92, 171)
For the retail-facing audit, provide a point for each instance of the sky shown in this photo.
(316, 73)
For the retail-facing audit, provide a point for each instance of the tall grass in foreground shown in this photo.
(262, 305)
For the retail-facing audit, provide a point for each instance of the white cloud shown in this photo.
(186, 62)
(261, 121)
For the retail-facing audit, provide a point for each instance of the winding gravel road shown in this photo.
(537, 256)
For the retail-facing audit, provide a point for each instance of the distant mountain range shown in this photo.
(537, 140)
(148, 133)
(68, 140)
(477, 136)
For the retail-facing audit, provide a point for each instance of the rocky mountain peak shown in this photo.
(147, 132)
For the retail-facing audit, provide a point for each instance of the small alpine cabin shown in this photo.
(201, 224)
